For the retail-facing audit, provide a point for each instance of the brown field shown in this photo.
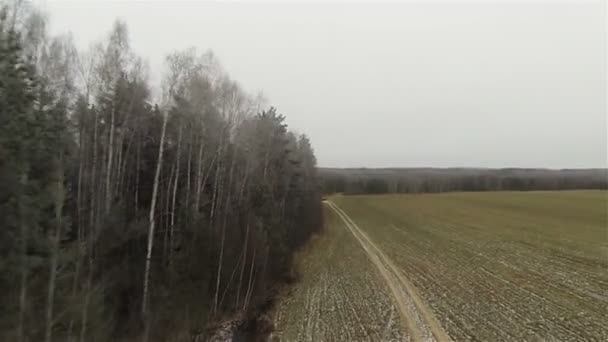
(502, 266)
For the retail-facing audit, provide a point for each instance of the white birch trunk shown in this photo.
(175, 184)
(199, 181)
(144, 305)
(109, 164)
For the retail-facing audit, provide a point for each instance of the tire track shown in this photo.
(404, 293)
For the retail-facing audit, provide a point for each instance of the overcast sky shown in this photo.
(489, 84)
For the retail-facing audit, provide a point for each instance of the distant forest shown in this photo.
(421, 180)
(132, 217)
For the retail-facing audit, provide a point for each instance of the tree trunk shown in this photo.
(81, 165)
(137, 176)
(59, 198)
(51, 288)
(24, 268)
(217, 181)
(189, 170)
(92, 232)
(238, 289)
(87, 299)
(244, 182)
(164, 221)
(219, 271)
(250, 281)
(199, 181)
(208, 172)
(146, 285)
(236, 267)
(225, 212)
(74, 288)
(120, 166)
(123, 162)
(109, 163)
(215, 186)
(175, 184)
(117, 174)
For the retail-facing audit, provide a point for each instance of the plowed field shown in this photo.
(503, 266)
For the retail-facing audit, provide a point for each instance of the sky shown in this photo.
(411, 84)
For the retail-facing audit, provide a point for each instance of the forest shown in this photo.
(433, 180)
(135, 213)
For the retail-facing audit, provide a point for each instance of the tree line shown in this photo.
(432, 180)
(126, 216)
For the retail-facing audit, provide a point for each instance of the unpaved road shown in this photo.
(416, 317)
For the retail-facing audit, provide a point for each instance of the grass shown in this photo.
(502, 266)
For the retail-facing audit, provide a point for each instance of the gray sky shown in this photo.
(490, 84)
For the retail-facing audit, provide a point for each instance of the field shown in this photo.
(339, 285)
(501, 266)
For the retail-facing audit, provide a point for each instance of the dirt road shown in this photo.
(416, 316)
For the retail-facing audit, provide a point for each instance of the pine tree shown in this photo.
(19, 208)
